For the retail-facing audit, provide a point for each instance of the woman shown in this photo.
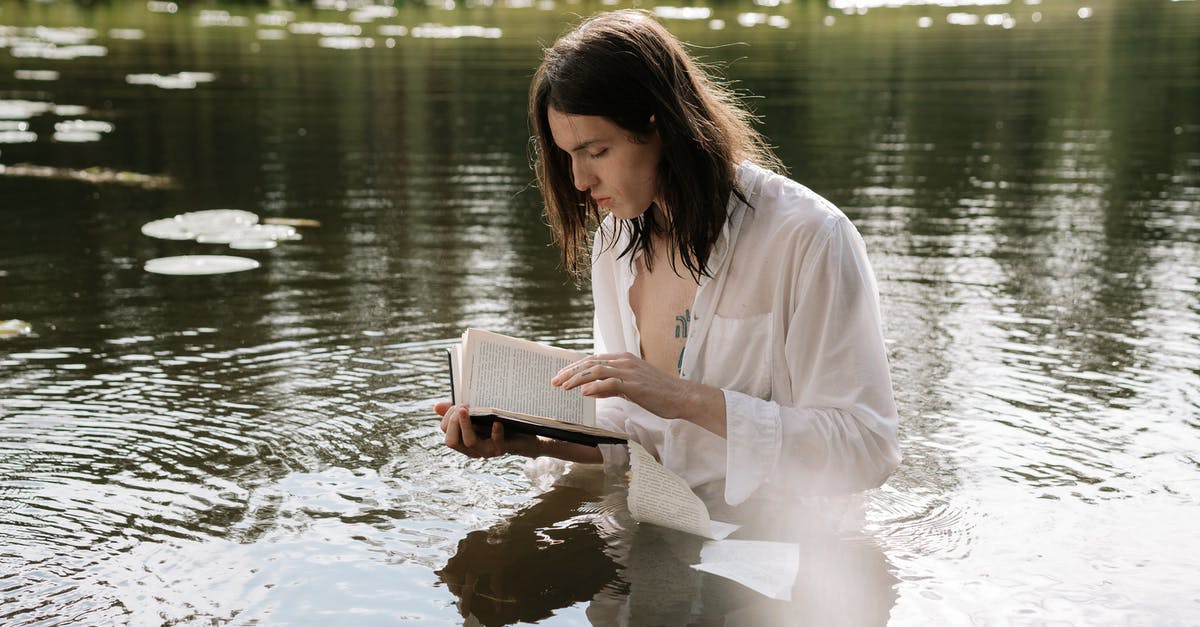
(737, 322)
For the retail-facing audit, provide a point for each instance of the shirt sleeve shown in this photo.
(839, 433)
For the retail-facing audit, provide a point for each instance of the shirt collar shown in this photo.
(747, 181)
(735, 211)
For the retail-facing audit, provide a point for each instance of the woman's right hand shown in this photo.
(461, 436)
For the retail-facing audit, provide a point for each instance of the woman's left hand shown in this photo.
(634, 379)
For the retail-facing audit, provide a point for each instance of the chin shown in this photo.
(624, 214)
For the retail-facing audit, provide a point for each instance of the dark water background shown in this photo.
(257, 447)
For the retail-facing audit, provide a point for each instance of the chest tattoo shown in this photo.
(681, 332)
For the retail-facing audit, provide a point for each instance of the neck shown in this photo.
(662, 221)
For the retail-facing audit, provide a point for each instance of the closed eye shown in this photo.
(598, 154)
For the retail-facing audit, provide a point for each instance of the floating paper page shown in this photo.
(769, 568)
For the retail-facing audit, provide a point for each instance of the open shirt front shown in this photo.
(788, 327)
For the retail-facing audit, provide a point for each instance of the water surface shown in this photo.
(258, 446)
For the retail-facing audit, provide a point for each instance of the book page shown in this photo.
(514, 375)
(769, 568)
(661, 497)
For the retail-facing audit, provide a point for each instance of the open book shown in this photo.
(508, 379)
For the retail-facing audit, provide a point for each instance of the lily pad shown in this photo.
(196, 224)
(13, 328)
(239, 229)
(216, 220)
(253, 244)
(167, 228)
(76, 137)
(248, 232)
(190, 265)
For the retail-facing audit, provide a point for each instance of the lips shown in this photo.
(603, 201)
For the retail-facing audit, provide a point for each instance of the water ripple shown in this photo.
(157, 453)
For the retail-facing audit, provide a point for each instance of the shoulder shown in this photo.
(783, 208)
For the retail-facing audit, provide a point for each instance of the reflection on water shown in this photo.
(258, 447)
(577, 544)
(528, 566)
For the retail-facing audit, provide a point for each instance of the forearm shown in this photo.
(703, 405)
(568, 451)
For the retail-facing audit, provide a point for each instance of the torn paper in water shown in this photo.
(769, 568)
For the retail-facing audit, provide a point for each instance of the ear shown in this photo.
(648, 135)
(652, 129)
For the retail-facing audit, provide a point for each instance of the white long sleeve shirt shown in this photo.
(788, 327)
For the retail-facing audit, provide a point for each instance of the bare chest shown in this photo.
(662, 303)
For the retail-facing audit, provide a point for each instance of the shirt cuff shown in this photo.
(753, 436)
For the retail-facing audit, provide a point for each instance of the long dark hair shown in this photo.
(624, 66)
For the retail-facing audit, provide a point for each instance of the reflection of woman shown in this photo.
(532, 564)
(737, 327)
(567, 548)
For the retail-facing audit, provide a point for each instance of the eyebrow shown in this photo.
(584, 145)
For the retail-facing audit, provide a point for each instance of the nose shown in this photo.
(582, 175)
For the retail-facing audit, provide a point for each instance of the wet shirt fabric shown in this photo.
(788, 326)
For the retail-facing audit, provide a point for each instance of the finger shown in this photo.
(605, 388)
(597, 372)
(453, 437)
(442, 407)
(571, 380)
(498, 437)
(467, 429)
(451, 415)
(568, 371)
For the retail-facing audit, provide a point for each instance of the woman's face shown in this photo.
(608, 162)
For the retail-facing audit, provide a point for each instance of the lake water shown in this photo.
(258, 447)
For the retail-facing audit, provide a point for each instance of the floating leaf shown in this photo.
(13, 328)
(167, 228)
(225, 226)
(253, 244)
(191, 265)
